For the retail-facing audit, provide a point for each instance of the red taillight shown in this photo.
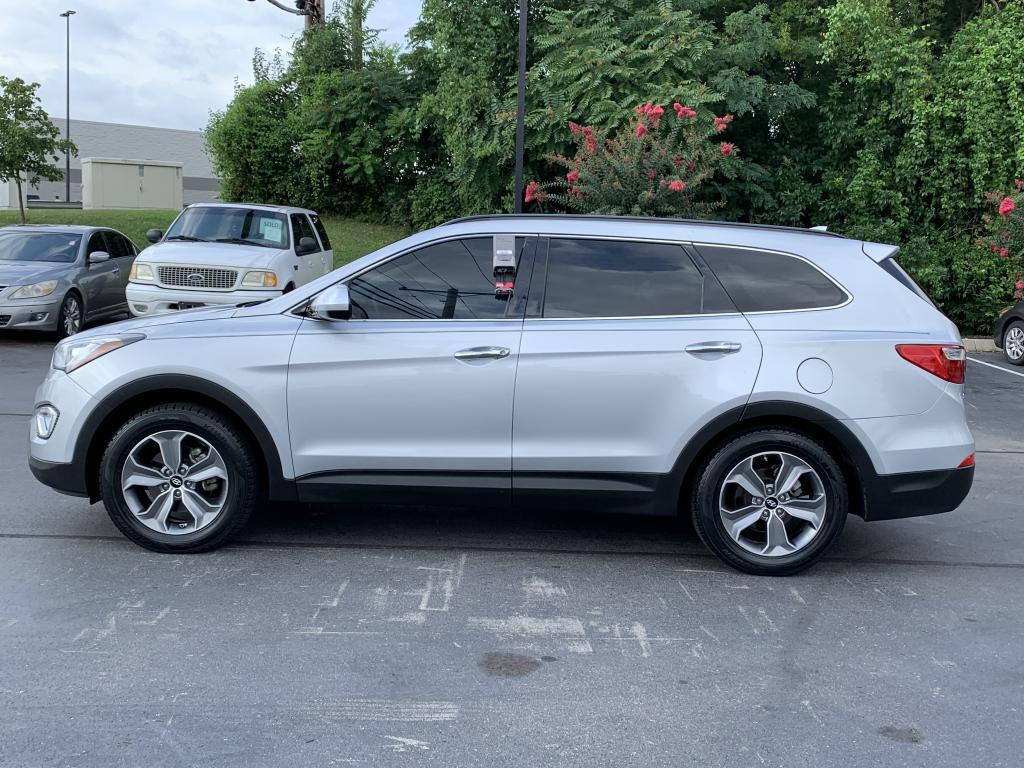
(968, 462)
(947, 361)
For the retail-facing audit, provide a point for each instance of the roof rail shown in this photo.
(605, 217)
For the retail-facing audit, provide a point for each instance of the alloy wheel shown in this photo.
(175, 482)
(1014, 343)
(772, 504)
(72, 316)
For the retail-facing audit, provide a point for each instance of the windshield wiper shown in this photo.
(241, 241)
(187, 238)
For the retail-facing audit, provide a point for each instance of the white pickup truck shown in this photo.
(228, 253)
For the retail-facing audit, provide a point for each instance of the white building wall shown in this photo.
(141, 142)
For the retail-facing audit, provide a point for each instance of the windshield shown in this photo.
(39, 246)
(244, 226)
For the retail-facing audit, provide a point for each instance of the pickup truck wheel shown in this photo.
(179, 478)
(770, 502)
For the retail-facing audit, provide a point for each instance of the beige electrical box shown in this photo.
(116, 183)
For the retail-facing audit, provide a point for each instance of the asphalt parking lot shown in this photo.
(365, 637)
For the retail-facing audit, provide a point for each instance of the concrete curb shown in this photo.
(980, 345)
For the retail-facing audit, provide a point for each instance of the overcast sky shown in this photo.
(153, 62)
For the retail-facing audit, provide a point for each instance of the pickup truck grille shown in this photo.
(198, 278)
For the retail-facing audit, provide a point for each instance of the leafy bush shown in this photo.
(655, 167)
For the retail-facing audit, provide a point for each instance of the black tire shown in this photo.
(239, 457)
(1016, 326)
(706, 494)
(72, 304)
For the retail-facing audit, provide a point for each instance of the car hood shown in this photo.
(141, 324)
(210, 254)
(28, 272)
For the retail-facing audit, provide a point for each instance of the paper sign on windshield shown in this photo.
(272, 229)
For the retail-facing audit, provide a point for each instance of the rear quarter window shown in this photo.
(900, 274)
(769, 281)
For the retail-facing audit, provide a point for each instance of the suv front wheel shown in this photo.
(770, 502)
(179, 478)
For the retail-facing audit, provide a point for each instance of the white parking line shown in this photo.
(997, 367)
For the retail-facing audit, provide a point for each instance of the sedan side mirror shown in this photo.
(155, 235)
(332, 304)
(98, 257)
(306, 245)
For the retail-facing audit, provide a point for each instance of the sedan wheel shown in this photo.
(69, 321)
(1013, 343)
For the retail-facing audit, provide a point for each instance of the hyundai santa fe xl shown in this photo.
(766, 381)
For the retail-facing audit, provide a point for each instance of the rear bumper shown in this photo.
(67, 478)
(912, 494)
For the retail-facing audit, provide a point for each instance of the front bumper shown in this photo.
(30, 315)
(67, 478)
(912, 494)
(145, 300)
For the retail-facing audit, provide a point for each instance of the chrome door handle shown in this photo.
(482, 353)
(714, 347)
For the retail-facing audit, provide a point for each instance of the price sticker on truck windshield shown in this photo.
(272, 229)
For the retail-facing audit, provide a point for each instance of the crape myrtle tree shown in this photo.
(30, 144)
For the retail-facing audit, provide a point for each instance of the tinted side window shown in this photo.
(322, 231)
(116, 246)
(302, 228)
(764, 281)
(450, 280)
(612, 278)
(96, 243)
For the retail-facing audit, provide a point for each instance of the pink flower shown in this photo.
(1006, 207)
(655, 114)
(651, 174)
(721, 123)
(726, 148)
(588, 134)
(677, 185)
(683, 111)
(1019, 285)
(641, 130)
(691, 165)
(573, 176)
(1004, 252)
(533, 192)
(994, 248)
(1019, 184)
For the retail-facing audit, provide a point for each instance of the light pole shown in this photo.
(67, 125)
(524, 6)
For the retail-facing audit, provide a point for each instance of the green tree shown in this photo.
(29, 143)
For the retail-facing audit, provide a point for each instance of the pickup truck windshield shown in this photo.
(242, 226)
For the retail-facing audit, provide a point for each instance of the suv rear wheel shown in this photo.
(179, 478)
(771, 502)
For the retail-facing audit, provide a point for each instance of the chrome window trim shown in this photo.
(617, 238)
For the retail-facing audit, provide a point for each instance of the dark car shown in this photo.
(1009, 333)
(57, 278)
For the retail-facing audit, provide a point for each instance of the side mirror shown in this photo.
(332, 304)
(306, 245)
(155, 235)
(98, 257)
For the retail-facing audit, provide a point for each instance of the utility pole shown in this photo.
(67, 106)
(524, 6)
(313, 10)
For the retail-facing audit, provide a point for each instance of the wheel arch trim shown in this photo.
(146, 391)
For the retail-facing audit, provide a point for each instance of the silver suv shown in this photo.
(766, 381)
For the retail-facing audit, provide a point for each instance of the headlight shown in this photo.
(73, 353)
(45, 420)
(259, 279)
(36, 291)
(141, 273)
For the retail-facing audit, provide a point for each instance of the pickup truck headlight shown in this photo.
(72, 353)
(259, 279)
(35, 291)
(141, 273)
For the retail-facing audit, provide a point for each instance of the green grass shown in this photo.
(350, 239)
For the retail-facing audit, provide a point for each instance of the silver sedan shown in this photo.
(57, 278)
